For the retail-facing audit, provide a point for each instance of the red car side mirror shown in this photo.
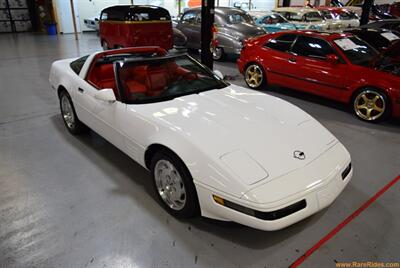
(332, 58)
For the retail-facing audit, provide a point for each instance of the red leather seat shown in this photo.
(157, 80)
(102, 76)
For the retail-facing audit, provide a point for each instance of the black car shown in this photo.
(392, 24)
(380, 39)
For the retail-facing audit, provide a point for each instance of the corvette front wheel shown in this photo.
(254, 76)
(174, 185)
(71, 121)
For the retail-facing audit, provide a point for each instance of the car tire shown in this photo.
(174, 185)
(218, 54)
(71, 120)
(254, 76)
(371, 105)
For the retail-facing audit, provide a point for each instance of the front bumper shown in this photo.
(315, 201)
(316, 198)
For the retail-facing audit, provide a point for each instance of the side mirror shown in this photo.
(96, 19)
(219, 74)
(106, 94)
(332, 58)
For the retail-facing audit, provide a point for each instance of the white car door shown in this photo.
(99, 115)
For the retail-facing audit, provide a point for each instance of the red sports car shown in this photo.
(333, 65)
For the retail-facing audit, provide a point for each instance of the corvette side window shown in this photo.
(312, 47)
(282, 43)
(77, 65)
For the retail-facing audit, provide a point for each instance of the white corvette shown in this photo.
(213, 149)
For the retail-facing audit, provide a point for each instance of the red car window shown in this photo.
(312, 47)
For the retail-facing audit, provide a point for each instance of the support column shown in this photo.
(207, 22)
(366, 8)
(74, 18)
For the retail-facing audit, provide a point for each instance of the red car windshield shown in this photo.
(164, 78)
(357, 51)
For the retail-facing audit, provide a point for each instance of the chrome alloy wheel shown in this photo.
(67, 112)
(170, 185)
(254, 76)
(217, 53)
(369, 105)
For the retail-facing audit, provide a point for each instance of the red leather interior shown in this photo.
(145, 80)
(102, 76)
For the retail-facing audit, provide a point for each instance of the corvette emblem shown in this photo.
(299, 155)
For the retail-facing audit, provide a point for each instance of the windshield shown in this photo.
(160, 79)
(239, 17)
(357, 51)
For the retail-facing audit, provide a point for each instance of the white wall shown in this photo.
(92, 8)
(83, 9)
(64, 16)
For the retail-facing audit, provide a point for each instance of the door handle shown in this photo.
(80, 90)
(292, 60)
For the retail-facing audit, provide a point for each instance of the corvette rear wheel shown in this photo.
(174, 185)
(71, 121)
(371, 105)
(254, 76)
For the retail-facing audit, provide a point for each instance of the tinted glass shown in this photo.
(292, 16)
(356, 50)
(313, 16)
(274, 19)
(239, 17)
(327, 15)
(77, 65)
(312, 47)
(348, 16)
(282, 43)
(147, 14)
(165, 78)
(375, 39)
(189, 17)
(104, 16)
(116, 14)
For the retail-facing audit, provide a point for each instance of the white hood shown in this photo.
(252, 134)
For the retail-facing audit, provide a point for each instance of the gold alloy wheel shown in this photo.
(254, 76)
(369, 105)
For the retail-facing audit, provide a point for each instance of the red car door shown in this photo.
(319, 68)
(279, 63)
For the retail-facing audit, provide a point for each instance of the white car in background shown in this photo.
(92, 23)
(342, 17)
(213, 149)
(306, 18)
